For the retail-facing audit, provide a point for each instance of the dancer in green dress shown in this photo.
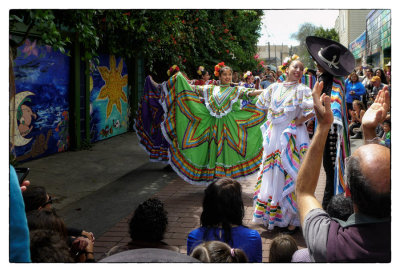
(210, 134)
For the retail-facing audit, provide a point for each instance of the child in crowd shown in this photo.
(218, 252)
(248, 80)
(386, 133)
(340, 207)
(282, 248)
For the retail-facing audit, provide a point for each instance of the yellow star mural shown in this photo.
(113, 87)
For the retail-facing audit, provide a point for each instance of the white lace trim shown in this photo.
(222, 114)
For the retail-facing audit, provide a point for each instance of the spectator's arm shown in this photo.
(89, 253)
(307, 178)
(375, 114)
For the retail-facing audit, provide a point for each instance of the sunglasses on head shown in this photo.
(49, 201)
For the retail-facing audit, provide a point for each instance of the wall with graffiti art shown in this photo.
(109, 107)
(39, 109)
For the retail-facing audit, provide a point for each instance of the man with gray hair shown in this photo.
(365, 236)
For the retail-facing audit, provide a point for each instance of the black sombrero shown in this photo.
(332, 56)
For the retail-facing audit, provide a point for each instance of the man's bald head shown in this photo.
(374, 161)
(368, 175)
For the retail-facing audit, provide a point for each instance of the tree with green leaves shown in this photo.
(330, 34)
(308, 29)
(188, 38)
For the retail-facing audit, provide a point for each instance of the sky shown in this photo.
(278, 25)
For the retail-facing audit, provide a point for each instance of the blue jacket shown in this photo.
(19, 233)
(357, 87)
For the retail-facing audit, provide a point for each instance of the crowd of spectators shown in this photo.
(345, 232)
(363, 86)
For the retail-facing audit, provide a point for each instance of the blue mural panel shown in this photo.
(39, 111)
(109, 107)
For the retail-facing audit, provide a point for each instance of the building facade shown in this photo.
(378, 37)
(367, 34)
(350, 24)
(273, 54)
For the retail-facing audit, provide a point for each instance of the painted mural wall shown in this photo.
(39, 110)
(109, 107)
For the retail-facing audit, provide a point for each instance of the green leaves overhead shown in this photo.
(188, 38)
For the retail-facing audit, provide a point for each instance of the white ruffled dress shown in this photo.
(284, 145)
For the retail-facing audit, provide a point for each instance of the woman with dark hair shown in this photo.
(354, 90)
(146, 228)
(248, 80)
(46, 219)
(222, 220)
(47, 246)
(204, 77)
(37, 198)
(380, 73)
(288, 105)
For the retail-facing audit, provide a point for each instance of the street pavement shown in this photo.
(99, 189)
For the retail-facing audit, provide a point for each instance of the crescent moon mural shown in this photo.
(16, 138)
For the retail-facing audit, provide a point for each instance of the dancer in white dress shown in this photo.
(285, 141)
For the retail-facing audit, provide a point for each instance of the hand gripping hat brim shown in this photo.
(344, 63)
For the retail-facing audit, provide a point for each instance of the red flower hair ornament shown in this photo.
(217, 68)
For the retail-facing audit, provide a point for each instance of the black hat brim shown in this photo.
(346, 61)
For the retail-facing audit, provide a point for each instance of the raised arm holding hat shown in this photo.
(334, 61)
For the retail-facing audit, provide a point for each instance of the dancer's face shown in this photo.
(206, 76)
(226, 77)
(295, 70)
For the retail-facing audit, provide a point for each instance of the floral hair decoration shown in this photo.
(287, 61)
(173, 69)
(200, 70)
(217, 68)
(247, 74)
